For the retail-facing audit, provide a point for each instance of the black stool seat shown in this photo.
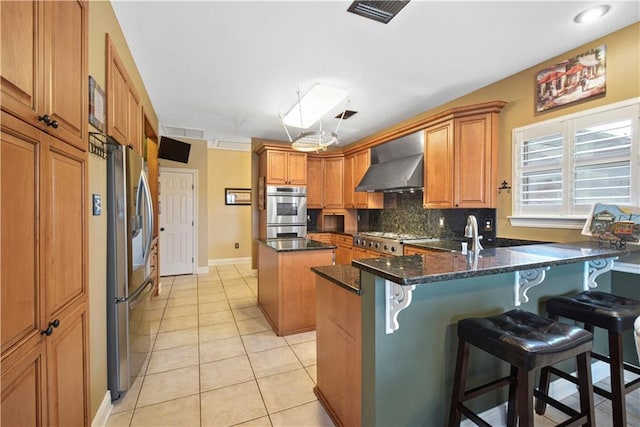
(524, 339)
(601, 309)
(527, 342)
(613, 313)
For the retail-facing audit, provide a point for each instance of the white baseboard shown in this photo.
(558, 389)
(203, 270)
(226, 261)
(102, 415)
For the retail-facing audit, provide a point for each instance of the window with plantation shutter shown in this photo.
(563, 166)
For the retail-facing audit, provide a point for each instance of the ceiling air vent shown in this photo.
(186, 132)
(347, 114)
(381, 11)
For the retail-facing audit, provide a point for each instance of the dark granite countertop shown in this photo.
(455, 244)
(344, 233)
(440, 266)
(291, 245)
(343, 275)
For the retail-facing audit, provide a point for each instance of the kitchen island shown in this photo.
(286, 285)
(409, 310)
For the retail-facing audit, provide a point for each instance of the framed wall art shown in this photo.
(572, 80)
(96, 105)
(237, 196)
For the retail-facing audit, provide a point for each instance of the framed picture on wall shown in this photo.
(572, 80)
(237, 196)
(96, 105)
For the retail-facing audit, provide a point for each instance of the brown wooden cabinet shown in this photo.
(364, 200)
(333, 182)
(284, 167)
(344, 247)
(461, 161)
(320, 237)
(44, 66)
(414, 250)
(124, 113)
(315, 181)
(44, 278)
(339, 342)
(349, 193)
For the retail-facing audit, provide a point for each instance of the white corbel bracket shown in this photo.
(525, 280)
(594, 269)
(397, 298)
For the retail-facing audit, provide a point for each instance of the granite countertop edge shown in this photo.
(336, 274)
(295, 245)
(409, 279)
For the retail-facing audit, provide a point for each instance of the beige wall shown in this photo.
(228, 224)
(102, 20)
(197, 161)
(623, 66)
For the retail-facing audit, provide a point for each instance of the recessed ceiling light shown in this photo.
(591, 14)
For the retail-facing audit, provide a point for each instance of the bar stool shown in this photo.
(527, 342)
(613, 313)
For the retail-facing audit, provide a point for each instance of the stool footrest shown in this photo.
(627, 366)
(556, 404)
(480, 390)
(472, 416)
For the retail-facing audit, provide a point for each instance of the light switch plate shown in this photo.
(97, 204)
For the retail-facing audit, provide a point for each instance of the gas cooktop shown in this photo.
(385, 242)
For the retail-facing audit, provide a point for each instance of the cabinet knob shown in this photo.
(49, 330)
(47, 121)
(53, 124)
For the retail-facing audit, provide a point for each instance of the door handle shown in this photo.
(49, 330)
(161, 228)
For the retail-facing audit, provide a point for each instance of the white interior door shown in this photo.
(177, 222)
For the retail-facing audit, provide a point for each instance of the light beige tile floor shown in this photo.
(216, 362)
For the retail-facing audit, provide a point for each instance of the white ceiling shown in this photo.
(228, 67)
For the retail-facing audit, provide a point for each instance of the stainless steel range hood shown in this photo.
(397, 165)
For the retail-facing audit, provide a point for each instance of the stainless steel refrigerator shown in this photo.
(129, 284)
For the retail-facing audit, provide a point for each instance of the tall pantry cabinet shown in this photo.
(43, 214)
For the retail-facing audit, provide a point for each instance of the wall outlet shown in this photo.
(237, 245)
(441, 222)
(97, 204)
(488, 224)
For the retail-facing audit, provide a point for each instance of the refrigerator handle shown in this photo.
(147, 194)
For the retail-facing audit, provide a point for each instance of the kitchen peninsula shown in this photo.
(410, 306)
(286, 285)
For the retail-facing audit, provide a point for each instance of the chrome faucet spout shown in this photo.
(471, 231)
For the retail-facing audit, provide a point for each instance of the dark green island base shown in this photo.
(407, 374)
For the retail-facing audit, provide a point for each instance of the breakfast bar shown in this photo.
(409, 309)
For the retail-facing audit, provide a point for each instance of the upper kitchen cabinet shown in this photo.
(281, 166)
(124, 114)
(461, 158)
(44, 66)
(333, 182)
(315, 182)
(349, 193)
(364, 200)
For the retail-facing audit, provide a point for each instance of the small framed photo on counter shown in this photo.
(237, 196)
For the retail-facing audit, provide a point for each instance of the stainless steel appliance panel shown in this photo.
(129, 285)
(286, 231)
(286, 205)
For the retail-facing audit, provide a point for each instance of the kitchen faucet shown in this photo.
(471, 231)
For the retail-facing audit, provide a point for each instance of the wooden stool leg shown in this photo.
(617, 380)
(525, 397)
(585, 387)
(545, 379)
(459, 383)
(512, 409)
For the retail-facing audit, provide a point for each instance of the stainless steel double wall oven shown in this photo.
(286, 212)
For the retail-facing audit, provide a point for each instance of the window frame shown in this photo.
(567, 126)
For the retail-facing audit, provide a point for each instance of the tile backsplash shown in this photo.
(404, 213)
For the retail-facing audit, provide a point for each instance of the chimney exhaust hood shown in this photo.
(396, 166)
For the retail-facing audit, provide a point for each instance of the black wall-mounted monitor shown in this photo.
(172, 149)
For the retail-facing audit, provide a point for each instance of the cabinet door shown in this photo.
(314, 187)
(20, 62)
(349, 193)
(475, 162)
(22, 309)
(67, 362)
(277, 167)
(134, 120)
(333, 183)
(65, 257)
(362, 199)
(117, 95)
(297, 168)
(343, 254)
(23, 389)
(66, 73)
(438, 166)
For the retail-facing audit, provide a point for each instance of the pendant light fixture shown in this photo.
(319, 100)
